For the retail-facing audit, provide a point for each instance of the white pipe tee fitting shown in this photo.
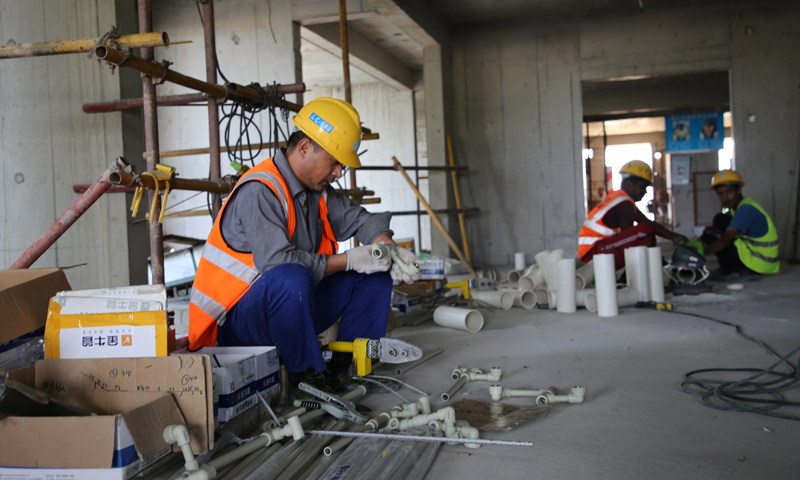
(180, 435)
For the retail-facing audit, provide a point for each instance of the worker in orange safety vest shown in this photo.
(610, 228)
(270, 273)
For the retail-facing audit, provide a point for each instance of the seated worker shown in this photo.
(743, 236)
(270, 273)
(609, 227)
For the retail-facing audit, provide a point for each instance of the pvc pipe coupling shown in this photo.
(180, 435)
(494, 375)
(409, 410)
(543, 396)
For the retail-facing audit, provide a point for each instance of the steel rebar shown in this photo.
(82, 45)
(419, 438)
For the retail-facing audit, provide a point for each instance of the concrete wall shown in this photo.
(49, 144)
(518, 109)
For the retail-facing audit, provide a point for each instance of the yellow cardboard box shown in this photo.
(106, 335)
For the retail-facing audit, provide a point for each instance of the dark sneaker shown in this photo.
(309, 377)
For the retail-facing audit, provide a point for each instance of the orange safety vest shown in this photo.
(594, 229)
(224, 275)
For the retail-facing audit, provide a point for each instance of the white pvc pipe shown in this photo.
(637, 271)
(626, 297)
(656, 274)
(552, 299)
(458, 318)
(566, 285)
(531, 269)
(541, 261)
(584, 276)
(519, 261)
(496, 298)
(605, 281)
(513, 276)
(536, 278)
(541, 295)
(524, 298)
(686, 275)
(552, 275)
(526, 283)
(580, 296)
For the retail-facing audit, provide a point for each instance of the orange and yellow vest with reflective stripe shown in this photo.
(224, 275)
(594, 229)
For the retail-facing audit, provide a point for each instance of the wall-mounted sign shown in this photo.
(681, 170)
(694, 133)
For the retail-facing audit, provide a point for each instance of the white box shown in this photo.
(432, 269)
(240, 373)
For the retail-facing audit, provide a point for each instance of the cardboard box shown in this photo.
(24, 296)
(108, 386)
(406, 303)
(432, 269)
(105, 335)
(112, 446)
(241, 373)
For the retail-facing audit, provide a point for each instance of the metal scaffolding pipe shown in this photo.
(145, 11)
(127, 180)
(203, 151)
(168, 100)
(214, 169)
(66, 220)
(83, 45)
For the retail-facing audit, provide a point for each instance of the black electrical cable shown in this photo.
(747, 394)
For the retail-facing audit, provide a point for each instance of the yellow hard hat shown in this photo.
(726, 177)
(637, 168)
(335, 126)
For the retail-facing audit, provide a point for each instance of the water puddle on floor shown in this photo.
(494, 416)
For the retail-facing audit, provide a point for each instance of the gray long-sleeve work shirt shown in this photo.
(254, 221)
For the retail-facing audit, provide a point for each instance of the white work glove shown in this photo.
(360, 259)
(409, 258)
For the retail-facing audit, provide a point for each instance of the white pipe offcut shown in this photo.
(565, 300)
(605, 285)
(496, 298)
(458, 318)
(637, 271)
(584, 276)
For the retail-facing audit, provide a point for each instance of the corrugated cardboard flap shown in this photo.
(24, 295)
(57, 442)
(146, 424)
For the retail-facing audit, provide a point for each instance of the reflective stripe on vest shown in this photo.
(593, 228)
(225, 275)
(758, 254)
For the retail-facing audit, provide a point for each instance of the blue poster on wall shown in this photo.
(695, 132)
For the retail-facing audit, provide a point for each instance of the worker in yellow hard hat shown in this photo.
(742, 236)
(271, 274)
(609, 227)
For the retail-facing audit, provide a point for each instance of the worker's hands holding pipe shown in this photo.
(407, 257)
(360, 259)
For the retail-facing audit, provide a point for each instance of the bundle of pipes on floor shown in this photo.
(559, 284)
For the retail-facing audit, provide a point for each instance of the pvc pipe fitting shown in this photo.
(446, 415)
(576, 395)
(525, 282)
(513, 275)
(552, 299)
(379, 251)
(524, 298)
(180, 435)
(458, 318)
(469, 432)
(408, 410)
(580, 297)
(496, 298)
(494, 375)
(537, 277)
(497, 392)
(292, 428)
(566, 286)
(541, 262)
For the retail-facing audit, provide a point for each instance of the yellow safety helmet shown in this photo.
(726, 177)
(637, 168)
(335, 126)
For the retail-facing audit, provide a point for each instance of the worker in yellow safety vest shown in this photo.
(610, 228)
(742, 236)
(270, 273)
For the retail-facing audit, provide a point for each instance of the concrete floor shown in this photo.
(635, 422)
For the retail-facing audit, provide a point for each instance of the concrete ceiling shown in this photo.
(481, 11)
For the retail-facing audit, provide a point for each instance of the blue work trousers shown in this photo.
(285, 309)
